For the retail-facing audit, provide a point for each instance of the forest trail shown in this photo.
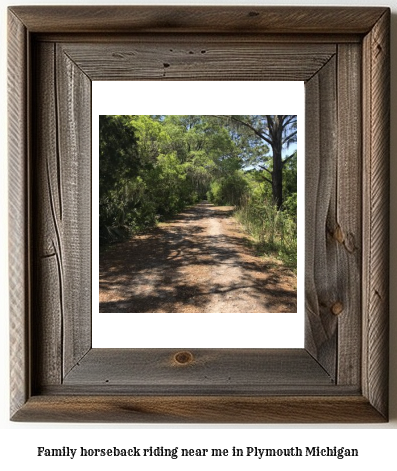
(200, 261)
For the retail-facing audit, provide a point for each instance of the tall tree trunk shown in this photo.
(277, 175)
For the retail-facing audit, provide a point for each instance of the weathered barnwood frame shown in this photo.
(342, 54)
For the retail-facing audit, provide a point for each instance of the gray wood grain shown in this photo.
(347, 228)
(73, 90)
(231, 368)
(199, 409)
(244, 37)
(47, 338)
(18, 222)
(63, 214)
(376, 92)
(199, 19)
(204, 60)
(321, 275)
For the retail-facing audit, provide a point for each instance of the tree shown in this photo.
(118, 164)
(278, 131)
(152, 166)
(204, 146)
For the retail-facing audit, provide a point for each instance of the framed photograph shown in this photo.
(56, 55)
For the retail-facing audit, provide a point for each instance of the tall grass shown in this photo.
(274, 230)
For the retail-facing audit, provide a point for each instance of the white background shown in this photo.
(19, 442)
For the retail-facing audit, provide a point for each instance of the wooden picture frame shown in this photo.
(342, 54)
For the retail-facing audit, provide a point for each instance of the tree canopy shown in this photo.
(151, 167)
(277, 132)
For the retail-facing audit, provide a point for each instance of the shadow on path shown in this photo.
(182, 265)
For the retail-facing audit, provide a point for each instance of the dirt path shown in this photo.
(198, 262)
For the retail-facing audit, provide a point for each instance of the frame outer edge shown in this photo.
(376, 145)
(375, 231)
(199, 409)
(18, 207)
(198, 18)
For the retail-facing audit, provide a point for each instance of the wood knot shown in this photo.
(350, 243)
(347, 240)
(338, 235)
(337, 308)
(183, 358)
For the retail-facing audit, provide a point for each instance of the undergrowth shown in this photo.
(274, 231)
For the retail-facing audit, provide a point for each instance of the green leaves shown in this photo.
(153, 166)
